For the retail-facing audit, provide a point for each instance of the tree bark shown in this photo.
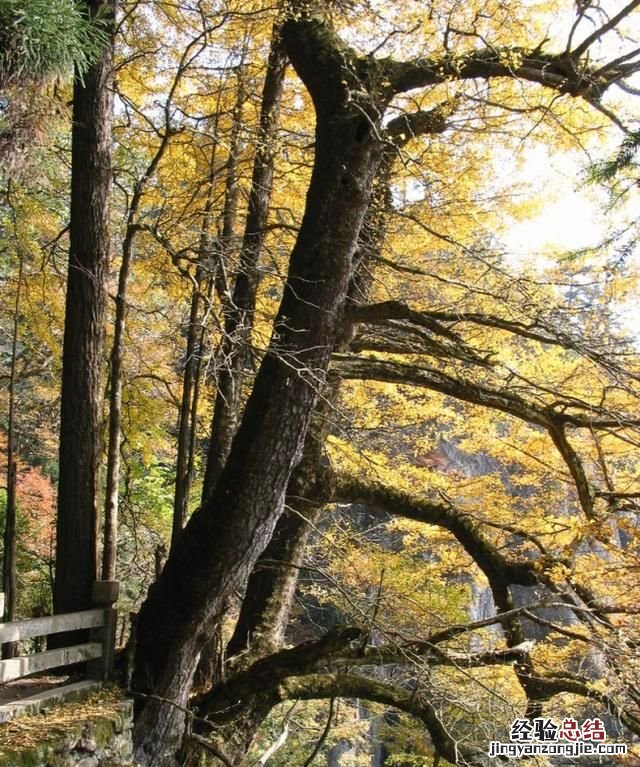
(82, 362)
(10, 537)
(271, 587)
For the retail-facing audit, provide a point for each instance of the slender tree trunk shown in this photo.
(197, 382)
(9, 564)
(197, 385)
(215, 552)
(187, 421)
(110, 539)
(117, 352)
(184, 463)
(211, 655)
(112, 482)
(239, 314)
(80, 418)
(239, 317)
(227, 391)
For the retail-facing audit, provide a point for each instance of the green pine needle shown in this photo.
(47, 37)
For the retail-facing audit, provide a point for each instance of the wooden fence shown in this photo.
(98, 651)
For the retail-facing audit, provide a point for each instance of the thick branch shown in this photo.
(353, 686)
(556, 684)
(478, 394)
(429, 655)
(561, 72)
(398, 337)
(493, 564)
(536, 329)
(406, 126)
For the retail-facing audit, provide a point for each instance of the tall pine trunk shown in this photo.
(10, 538)
(82, 361)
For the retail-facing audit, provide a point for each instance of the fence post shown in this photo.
(105, 595)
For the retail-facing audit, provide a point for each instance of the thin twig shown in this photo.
(323, 736)
(203, 743)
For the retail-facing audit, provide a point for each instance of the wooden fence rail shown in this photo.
(98, 651)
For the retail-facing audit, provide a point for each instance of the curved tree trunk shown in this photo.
(215, 553)
(271, 586)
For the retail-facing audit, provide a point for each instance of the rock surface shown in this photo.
(103, 741)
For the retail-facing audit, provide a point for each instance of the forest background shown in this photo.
(380, 468)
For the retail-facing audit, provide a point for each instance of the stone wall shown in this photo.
(103, 741)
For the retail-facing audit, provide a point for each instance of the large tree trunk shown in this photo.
(215, 553)
(271, 587)
(270, 594)
(82, 363)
